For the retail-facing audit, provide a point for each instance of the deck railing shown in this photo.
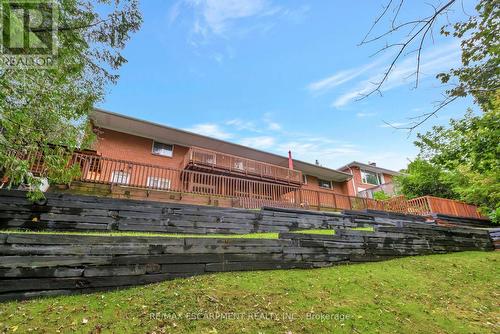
(395, 204)
(97, 169)
(34, 160)
(429, 204)
(248, 193)
(387, 188)
(322, 199)
(241, 166)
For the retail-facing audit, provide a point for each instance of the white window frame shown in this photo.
(210, 158)
(118, 176)
(162, 155)
(158, 182)
(361, 192)
(239, 165)
(364, 179)
(304, 178)
(330, 182)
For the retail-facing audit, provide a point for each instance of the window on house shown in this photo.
(238, 164)
(371, 177)
(158, 182)
(165, 150)
(212, 159)
(325, 184)
(304, 178)
(204, 158)
(120, 177)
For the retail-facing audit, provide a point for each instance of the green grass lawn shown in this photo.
(263, 235)
(453, 293)
(332, 232)
(269, 235)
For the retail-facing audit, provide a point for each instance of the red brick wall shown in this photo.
(118, 145)
(387, 178)
(312, 184)
(342, 187)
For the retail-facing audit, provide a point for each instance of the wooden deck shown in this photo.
(206, 160)
(244, 192)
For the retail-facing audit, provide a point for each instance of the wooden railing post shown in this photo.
(429, 203)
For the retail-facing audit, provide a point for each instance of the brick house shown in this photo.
(130, 152)
(137, 159)
(368, 179)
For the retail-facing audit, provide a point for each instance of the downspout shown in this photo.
(352, 180)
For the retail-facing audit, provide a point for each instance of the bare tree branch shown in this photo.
(397, 12)
(416, 32)
(424, 117)
(423, 28)
(392, 30)
(386, 8)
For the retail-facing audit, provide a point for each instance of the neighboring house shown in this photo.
(368, 179)
(137, 141)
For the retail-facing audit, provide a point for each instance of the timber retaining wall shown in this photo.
(67, 212)
(495, 237)
(35, 264)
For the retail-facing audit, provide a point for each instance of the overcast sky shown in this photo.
(282, 75)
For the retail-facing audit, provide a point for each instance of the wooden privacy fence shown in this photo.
(248, 193)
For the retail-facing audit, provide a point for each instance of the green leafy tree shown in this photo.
(381, 196)
(45, 110)
(423, 178)
(469, 153)
(472, 141)
(479, 75)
